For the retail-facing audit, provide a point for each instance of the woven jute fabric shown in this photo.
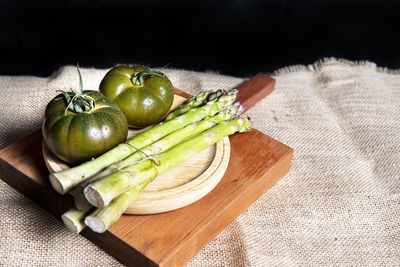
(339, 204)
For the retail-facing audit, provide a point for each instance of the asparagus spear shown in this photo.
(66, 180)
(74, 219)
(103, 191)
(158, 147)
(112, 185)
(101, 219)
(193, 102)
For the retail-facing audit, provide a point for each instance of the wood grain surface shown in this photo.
(257, 162)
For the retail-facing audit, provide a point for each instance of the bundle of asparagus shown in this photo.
(113, 181)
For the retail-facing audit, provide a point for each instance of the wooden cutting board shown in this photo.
(257, 162)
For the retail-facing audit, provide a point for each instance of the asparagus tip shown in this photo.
(246, 125)
(237, 108)
(233, 91)
(213, 95)
(95, 224)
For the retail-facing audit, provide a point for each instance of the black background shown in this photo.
(239, 38)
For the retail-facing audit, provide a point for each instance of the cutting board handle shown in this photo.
(255, 89)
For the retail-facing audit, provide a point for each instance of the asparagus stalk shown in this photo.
(193, 102)
(103, 191)
(74, 219)
(158, 147)
(66, 180)
(102, 218)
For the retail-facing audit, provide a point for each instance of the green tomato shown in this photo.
(91, 125)
(143, 95)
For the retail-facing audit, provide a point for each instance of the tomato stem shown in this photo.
(80, 79)
(78, 102)
(139, 77)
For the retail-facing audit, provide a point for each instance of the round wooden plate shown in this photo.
(180, 186)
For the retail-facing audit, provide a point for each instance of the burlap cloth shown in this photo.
(339, 205)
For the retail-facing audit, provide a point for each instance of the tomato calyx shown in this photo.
(139, 77)
(78, 102)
